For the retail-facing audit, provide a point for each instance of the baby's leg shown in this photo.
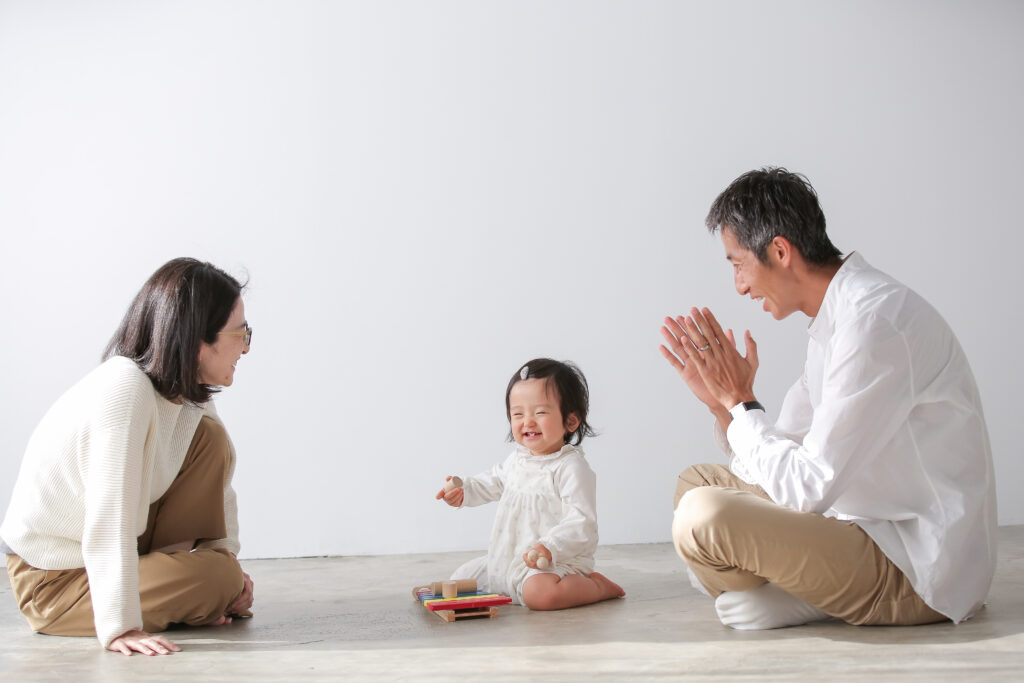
(548, 592)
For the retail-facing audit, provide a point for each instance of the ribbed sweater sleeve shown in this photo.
(111, 471)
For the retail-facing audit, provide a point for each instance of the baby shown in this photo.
(542, 545)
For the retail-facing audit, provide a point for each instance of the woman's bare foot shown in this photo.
(609, 589)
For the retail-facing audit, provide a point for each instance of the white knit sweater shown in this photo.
(104, 452)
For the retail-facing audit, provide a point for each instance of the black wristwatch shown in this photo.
(746, 407)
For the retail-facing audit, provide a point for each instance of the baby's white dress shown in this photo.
(549, 499)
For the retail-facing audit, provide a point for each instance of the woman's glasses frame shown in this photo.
(245, 333)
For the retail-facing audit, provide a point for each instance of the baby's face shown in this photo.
(536, 419)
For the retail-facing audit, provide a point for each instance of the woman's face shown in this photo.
(217, 360)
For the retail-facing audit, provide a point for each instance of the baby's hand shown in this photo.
(538, 557)
(451, 496)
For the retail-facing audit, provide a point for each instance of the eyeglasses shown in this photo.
(246, 334)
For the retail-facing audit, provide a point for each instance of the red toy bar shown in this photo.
(467, 602)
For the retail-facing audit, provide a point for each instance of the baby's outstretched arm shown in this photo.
(485, 487)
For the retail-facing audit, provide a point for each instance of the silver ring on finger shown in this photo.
(705, 347)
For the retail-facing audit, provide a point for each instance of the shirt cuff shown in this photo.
(745, 433)
(741, 408)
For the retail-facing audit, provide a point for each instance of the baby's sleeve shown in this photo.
(575, 535)
(485, 487)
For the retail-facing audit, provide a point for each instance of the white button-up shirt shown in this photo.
(885, 428)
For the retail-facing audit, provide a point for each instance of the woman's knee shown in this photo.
(220, 573)
(211, 439)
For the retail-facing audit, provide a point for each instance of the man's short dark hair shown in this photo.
(573, 392)
(772, 202)
(185, 302)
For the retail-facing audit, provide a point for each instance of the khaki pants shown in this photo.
(735, 538)
(181, 587)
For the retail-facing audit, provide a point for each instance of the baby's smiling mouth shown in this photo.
(530, 434)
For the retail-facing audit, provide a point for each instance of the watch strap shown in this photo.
(745, 407)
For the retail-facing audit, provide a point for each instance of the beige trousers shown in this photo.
(180, 587)
(734, 538)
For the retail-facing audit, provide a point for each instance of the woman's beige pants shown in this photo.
(180, 587)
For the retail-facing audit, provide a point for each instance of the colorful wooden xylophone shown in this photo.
(469, 602)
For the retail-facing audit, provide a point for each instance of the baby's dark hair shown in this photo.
(573, 392)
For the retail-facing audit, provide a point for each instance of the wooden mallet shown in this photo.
(538, 559)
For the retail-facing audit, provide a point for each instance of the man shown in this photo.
(871, 498)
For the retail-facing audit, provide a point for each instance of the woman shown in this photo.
(123, 519)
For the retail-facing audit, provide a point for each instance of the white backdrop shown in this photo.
(424, 195)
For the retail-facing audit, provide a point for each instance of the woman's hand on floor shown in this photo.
(145, 643)
(243, 602)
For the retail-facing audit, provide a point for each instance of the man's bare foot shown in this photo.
(609, 589)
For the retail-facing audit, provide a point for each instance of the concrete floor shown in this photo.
(354, 617)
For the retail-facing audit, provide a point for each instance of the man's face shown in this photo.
(768, 282)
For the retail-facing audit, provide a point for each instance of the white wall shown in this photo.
(426, 194)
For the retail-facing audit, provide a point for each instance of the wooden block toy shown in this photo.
(468, 601)
(451, 615)
(436, 589)
(479, 605)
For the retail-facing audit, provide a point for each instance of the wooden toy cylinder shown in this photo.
(461, 586)
(453, 483)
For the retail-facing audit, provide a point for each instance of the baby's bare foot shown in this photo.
(609, 589)
(219, 621)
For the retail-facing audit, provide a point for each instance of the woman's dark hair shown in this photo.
(183, 303)
(573, 392)
(761, 205)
